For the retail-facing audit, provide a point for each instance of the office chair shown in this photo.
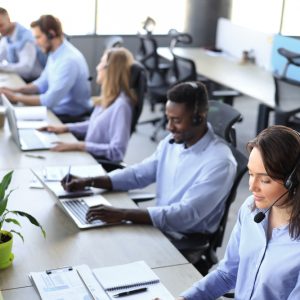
(157, 67)
(114, 42)
(286, 97)
(138, 82)
(222, 117)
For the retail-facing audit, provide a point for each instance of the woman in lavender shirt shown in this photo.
(107, 132)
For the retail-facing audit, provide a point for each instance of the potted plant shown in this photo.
(6, 237)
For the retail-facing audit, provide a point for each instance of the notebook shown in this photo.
(27, 139)
(100, 283)
(74, 204)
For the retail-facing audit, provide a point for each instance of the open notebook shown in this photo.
(102, 283)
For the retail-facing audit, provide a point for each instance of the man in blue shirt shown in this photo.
(18, 52)
(63, 85)
(193, 170)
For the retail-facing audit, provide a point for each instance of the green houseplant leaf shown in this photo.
(4, 212)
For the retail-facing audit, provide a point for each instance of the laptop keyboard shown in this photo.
(30, 138)
(79, 208)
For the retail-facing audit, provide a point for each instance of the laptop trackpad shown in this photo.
(95, 200)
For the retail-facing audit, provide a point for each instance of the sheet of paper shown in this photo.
(60, 284)
(32, 113)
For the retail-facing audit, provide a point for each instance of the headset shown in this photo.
(292, 182)
(48, 32)
(196, 120)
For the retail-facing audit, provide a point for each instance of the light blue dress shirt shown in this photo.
(19, 54)
(108, 131)
(63, 85)
(191, 183)
(258, 269)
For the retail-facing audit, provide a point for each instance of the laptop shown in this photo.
(27, 139)
(76, 204)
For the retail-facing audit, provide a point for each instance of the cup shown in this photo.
(2, 116)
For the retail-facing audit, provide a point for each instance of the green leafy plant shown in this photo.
(5, 213)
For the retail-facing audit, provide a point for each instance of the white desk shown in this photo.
(249, 79)
(11, 80)
(65, 245)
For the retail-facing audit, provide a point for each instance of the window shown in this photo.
(77, 17)
(261, 15)
(290, 20)
(101, 16)
(126, 17)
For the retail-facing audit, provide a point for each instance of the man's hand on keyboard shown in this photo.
(105, 213)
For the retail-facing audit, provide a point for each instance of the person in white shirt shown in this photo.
(18, 52)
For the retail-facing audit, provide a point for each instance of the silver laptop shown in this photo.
(27, 139)
(75, 204)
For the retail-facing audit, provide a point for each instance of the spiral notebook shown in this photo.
(132, 275)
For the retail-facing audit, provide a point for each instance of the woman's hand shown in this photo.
(62, 147)
(56, 129)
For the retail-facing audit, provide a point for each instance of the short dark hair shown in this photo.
(48, 23)
(279, 147)
(193, 94)
(3, 11)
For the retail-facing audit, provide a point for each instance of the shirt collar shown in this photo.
(57, 51)
(204, 141)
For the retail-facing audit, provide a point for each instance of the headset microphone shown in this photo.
(261, 215)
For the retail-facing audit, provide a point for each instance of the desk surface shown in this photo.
(11, 157)
(249, 79)
(175, 278)
(66, 245)
(11, 80)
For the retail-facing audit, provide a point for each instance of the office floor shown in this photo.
(141, 146)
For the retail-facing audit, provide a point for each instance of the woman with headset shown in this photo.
(107, 132)
(262, 259)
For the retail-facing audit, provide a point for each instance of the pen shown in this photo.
(131, 292)
(68, 175)
(35, 156)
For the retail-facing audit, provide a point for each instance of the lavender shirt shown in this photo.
(108, 130)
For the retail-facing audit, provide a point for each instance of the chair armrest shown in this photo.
(141, 197)
(109, 165)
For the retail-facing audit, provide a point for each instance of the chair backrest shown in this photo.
(148, 52)
(222, 117)
(184, 69)
(138, 82)
(217, 238)
(287, 92)
(114, 42)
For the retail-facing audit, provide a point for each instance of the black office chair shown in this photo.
(222, 117)
(157, 67)
(138, 82)
(287, 97)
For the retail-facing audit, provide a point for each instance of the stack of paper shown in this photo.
(31, 117)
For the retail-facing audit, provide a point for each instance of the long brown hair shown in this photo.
(279, 147)
(117, 76)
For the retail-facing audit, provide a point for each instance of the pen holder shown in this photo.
(2, 116)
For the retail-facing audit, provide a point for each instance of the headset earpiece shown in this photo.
(50, 35)
(292, 182)
(196, 120)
